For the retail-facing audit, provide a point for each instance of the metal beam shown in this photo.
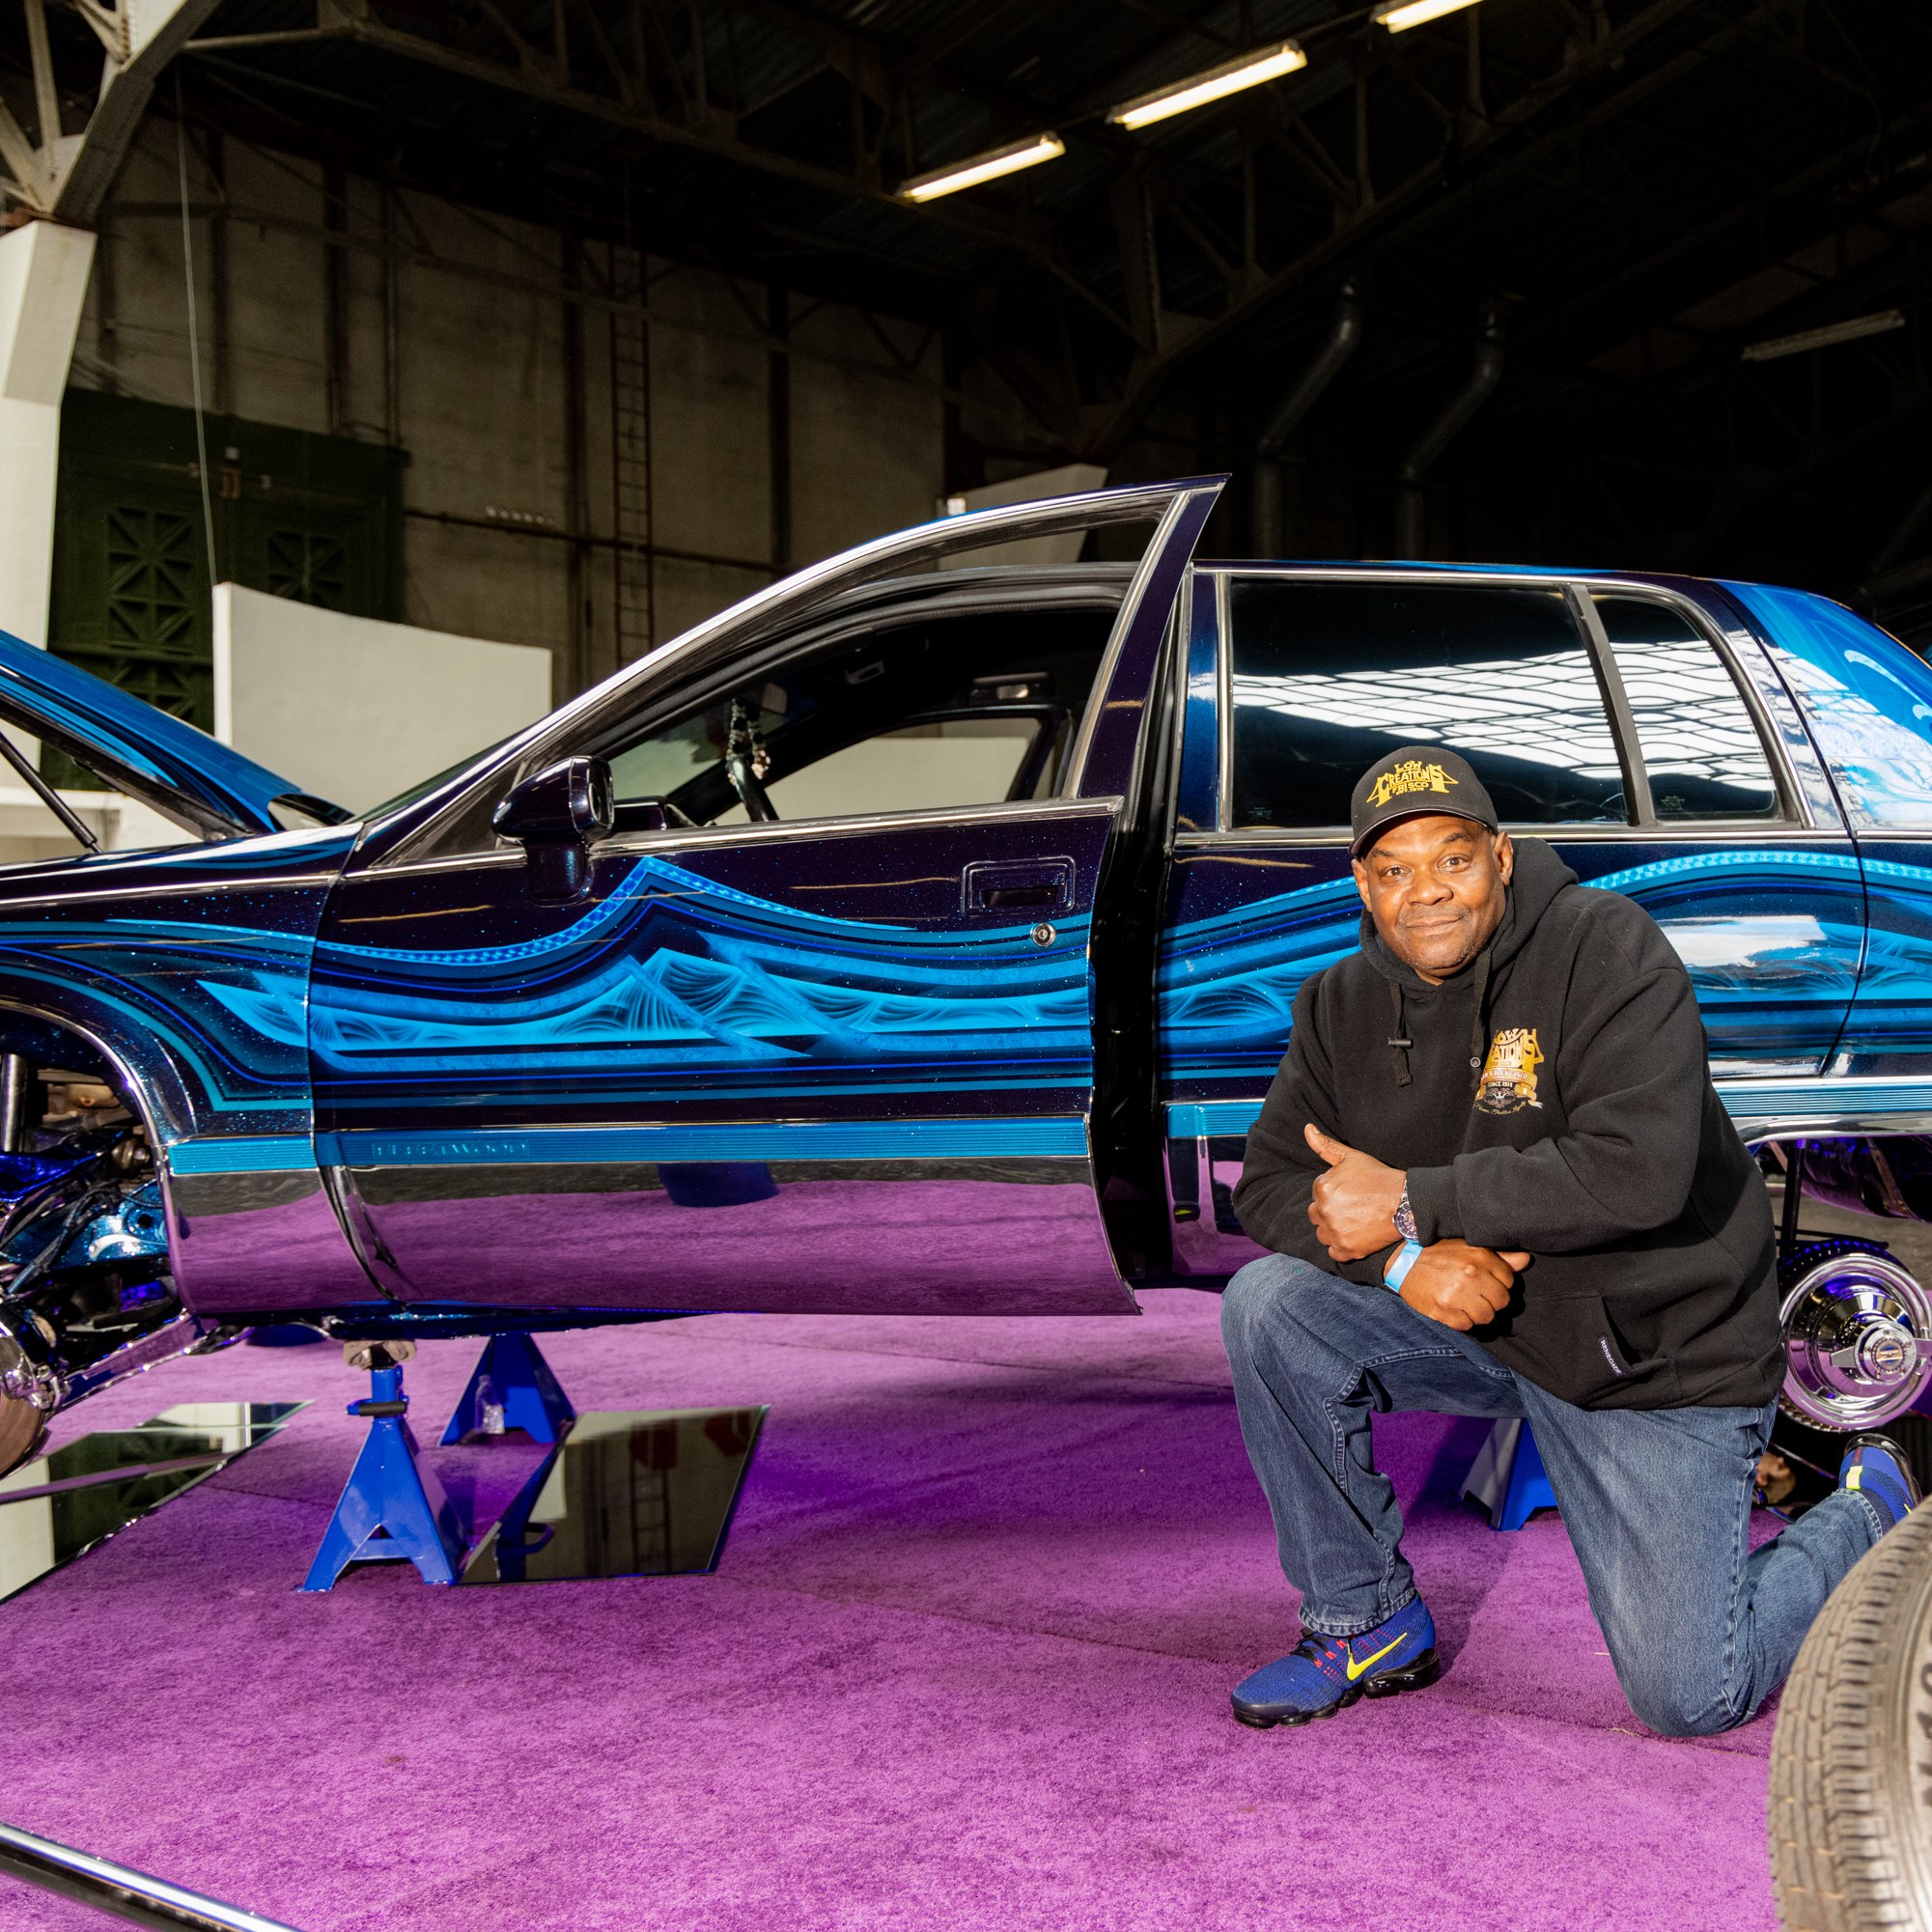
(149, 33)
(46, 95)
(336, 22)
(1708, 236)
(1740, 497)
(1384, 211)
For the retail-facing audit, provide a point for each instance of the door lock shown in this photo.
(1043, 935)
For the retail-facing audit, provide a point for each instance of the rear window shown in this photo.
(1328, 678)
(1700, 747)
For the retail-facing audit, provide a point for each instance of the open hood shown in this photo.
(161, 760)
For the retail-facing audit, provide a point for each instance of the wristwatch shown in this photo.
(1403, 1218)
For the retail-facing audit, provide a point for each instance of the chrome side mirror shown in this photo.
(556, 815)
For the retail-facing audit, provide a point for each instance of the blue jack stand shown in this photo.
(512, 1387)
(392, 1509)
(1508, 1478)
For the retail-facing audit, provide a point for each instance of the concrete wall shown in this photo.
(455, 342)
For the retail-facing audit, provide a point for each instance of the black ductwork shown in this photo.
(1485, 372)
(1269, 522)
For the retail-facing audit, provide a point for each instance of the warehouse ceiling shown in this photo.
(1584, 219)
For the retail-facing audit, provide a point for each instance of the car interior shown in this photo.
(947, 712)
(1328, 677)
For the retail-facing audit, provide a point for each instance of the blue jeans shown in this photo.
(1657, 1500)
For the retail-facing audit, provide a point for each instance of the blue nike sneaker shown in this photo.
(1325, 1675)
(1876, 1467)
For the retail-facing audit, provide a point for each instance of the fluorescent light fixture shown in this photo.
(1823, 338)
(1250, 71)
(989, 167)
(1398, 15)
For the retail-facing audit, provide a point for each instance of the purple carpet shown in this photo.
(965, 1663)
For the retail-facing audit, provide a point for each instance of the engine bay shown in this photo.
(86, 1294)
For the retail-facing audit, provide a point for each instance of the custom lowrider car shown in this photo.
(918, 935)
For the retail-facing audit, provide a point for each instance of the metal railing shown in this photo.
(127, 1894)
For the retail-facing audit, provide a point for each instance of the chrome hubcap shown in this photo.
(1857, 1341)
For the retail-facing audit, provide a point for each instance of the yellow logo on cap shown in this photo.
(1411, 775)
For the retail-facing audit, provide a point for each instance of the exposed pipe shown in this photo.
(1269, 520)
(1485, 372)
(1903, 533)
(16, 1083)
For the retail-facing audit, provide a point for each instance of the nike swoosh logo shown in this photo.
(1356, 1669)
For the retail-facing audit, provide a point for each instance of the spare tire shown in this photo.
(1850, 1809)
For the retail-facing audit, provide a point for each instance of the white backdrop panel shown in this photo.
(354, 710)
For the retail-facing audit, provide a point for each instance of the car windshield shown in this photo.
(424, 787)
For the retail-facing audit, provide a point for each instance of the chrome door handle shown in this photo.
(1017, 885)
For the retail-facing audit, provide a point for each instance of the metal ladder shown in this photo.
(633, 508)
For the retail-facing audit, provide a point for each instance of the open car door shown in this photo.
(812, 1026)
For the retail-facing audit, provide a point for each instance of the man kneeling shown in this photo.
(1501, 1109)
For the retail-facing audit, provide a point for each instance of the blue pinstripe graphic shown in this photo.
(1229, 982)
(674, 975)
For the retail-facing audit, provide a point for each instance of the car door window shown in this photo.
(964, 711)
(1326, 677)
(1700, 747)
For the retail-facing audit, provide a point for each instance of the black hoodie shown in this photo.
(1555, 1097)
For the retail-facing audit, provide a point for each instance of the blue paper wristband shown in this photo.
(1398, 1268)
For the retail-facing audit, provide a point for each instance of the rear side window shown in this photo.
(1700, 748)
(1328, 678)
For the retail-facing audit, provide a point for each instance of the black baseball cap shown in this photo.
(1417, 779)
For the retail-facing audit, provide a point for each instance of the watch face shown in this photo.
(1405, 1217)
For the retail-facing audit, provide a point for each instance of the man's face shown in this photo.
(1434, 886)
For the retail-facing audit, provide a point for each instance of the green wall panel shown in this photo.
(313, 517)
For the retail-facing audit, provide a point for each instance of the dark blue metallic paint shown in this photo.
(379, 1084)
(154, 756)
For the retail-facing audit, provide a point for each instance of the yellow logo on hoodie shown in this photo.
(1509, 1076)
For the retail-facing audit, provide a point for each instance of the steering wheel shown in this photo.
(745, 761)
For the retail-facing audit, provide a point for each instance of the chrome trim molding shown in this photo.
(911, 820)
(1754, 1129)
(683, 838)
(1681, 832)
(1102, 688)
(1782, 1110)
(1223, 704)
(1762, 1109)
(1193, 1120)
(119, 1889)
